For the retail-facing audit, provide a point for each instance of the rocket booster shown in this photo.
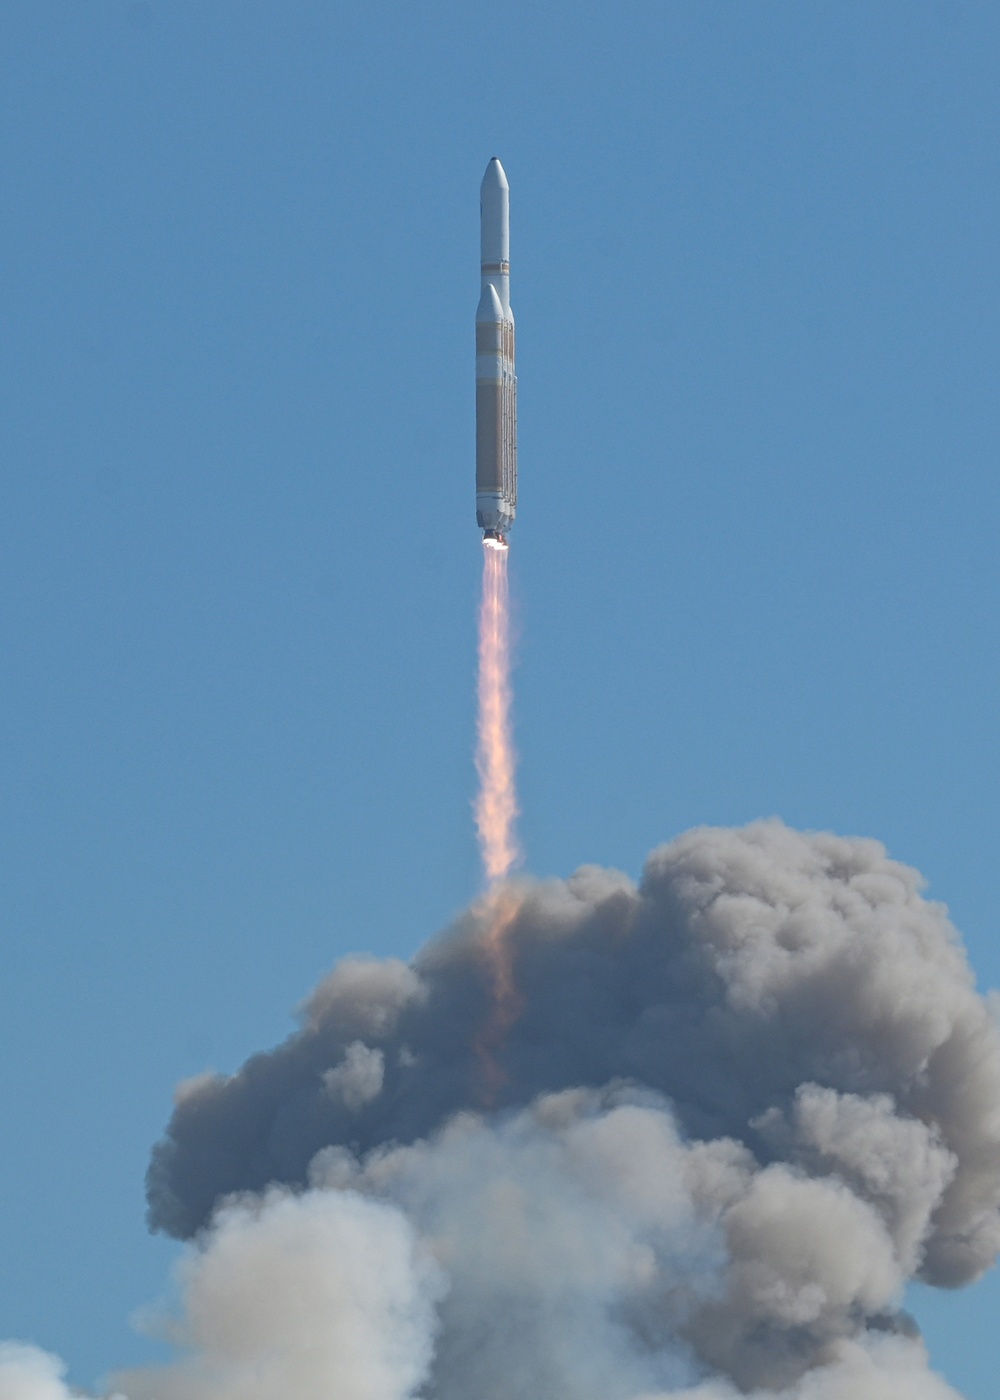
(496, 383)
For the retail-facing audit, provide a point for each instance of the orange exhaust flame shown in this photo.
(496, 803)
(496, 813)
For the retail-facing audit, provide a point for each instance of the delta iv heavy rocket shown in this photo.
(496, 383)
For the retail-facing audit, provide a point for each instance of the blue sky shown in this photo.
(754, 257)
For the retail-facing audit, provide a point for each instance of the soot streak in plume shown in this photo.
(740, 1105)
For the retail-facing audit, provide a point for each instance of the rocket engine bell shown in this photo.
(496, 382)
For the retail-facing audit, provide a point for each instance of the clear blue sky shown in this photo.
(755, 250)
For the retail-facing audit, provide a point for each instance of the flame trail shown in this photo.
(496, 803)
(496, 811)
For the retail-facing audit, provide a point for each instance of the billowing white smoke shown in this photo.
(324, 1294)
(593, 1253)
(740, 1106)
(26, 1373)
(320, 1295)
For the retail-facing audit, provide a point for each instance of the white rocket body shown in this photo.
(496, 382)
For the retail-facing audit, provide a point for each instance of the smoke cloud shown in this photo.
(729, 1113)
(27, 1373)
(732, 1111)
(325, 1294)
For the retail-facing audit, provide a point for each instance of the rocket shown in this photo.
(496, 383)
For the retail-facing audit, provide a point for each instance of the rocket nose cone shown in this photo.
(490, 306)
(495, 177)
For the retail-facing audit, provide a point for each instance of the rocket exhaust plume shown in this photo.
(500, 913)
(496, 802)
(496, 813)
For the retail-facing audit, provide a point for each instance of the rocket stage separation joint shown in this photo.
(496, 383)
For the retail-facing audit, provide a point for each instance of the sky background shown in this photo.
(755, 251)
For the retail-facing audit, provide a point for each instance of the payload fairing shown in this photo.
(496, 382)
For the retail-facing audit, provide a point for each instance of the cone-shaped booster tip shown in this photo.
(495, 176)
(494, 207)
(490, 306)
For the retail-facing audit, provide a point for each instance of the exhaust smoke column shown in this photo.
(496, 802)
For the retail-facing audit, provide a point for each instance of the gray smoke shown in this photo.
(734, 1110)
